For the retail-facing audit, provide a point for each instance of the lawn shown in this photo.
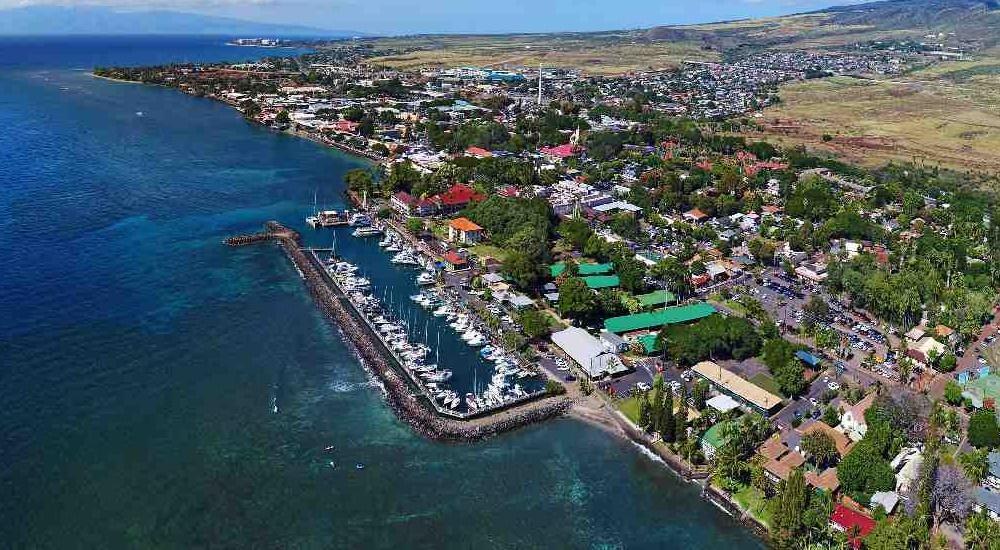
(765, 381)
(753, 501)
(630, 408)
(488, 251)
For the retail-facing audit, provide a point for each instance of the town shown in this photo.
(813, 342)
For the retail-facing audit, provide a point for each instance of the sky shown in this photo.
(467, 16)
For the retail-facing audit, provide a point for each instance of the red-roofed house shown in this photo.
(478, 152)
(695, 216)
(560, 152)
(855, 524)
(454, 261)
(510, 192)
(457, 197)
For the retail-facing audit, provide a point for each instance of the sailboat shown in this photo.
(313, 221)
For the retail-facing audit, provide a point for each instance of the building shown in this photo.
(712, 440)
(852, 423)
(695, 216)
(408, 205)
(588, 352)
(465, 231)
(741, 389)
(454, 261)
(886, 499)
(992, 480)
(456, 198)
(987, 501)
(855, 524)
(659, 318)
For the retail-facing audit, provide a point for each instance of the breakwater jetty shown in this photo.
(408, 403)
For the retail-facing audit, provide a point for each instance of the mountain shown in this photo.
(95, 20)
(974, 23)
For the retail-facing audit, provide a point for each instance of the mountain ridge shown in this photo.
(97, 20)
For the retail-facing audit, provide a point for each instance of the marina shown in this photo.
(489, 378)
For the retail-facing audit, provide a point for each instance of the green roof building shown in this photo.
(656, 319)
(649, 343)
(597, 282)
(657, 298)
(584, 269)
(712, 440)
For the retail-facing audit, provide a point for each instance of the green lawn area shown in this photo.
(488, 251)
(753, 501)
(630, 408)
(737, 307)
(765, 381)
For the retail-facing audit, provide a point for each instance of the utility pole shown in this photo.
(539, 84)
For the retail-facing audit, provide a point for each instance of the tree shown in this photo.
(576, 300)
(680, 419)
(779, 356)
(983, 430)
(656, 405)
(831, 416)
(952, 494)
(974, 464)
(525, 272)
(820, 447)
(534, 323)
(816, 310)
(576, 232)
(667, 424)
(700, 394)
(282, 117)
(865, 471)
(360, 181)
(644, 410)
(953, 393)
(791, 502)
(981, 532)
(414, 225)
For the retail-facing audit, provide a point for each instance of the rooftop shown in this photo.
(656, 319)
(557, 269)
(736, 385)
(464, 224)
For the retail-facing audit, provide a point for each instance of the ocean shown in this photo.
(161, 389)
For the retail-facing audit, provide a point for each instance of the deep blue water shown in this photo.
(140, 359)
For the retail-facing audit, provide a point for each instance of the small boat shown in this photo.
(328, 448)
(360, 466)
(358, 219)
(366, 231)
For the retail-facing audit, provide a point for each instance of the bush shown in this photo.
(554, 388)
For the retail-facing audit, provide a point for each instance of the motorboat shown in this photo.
(359, 219)
(367, 231)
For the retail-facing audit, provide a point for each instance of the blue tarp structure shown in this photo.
(963, 378)
(984, 371)
(808, 358)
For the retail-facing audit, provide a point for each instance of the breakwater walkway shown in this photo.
(411, 406)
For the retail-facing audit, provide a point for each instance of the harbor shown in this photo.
(411, 396)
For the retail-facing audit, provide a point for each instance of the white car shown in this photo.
(833, 386)
(642, 386)
(814, 402)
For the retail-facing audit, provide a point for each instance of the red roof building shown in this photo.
(855, 524)
(346, 126)
(408, 205)
(478, 152)
(457, 197)
(563, 151)
(454, 261)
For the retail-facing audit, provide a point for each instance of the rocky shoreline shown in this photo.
(408, 405)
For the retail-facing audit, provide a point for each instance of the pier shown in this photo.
(412, 407)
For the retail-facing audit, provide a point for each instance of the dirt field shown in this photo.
(947, 114)
(592, 54)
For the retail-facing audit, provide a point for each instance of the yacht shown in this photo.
(366, 231)
(426, 278)
(358, 219)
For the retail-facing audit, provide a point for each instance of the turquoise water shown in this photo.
(141, 361)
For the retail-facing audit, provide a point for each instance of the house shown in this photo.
(779, 460)
(840, 440)
(852, 422)
(454, 261)
(947, 334)
(695, 216)
(722, 403)
(813, 272)
(855, 524)
(346, 127)
(465, 231)
(712, 440)
(924, 349)
(886, 499)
